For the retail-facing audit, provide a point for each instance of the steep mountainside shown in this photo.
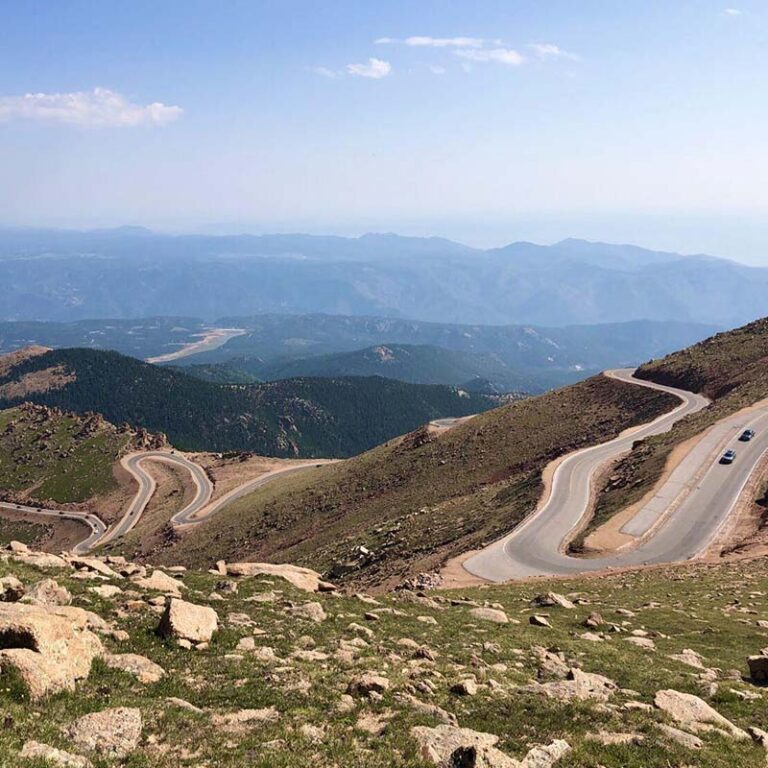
(299, 417)
(56, 275)
(414, 502)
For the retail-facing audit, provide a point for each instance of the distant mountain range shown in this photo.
(131, 272)
(270, 347)
(309, 417)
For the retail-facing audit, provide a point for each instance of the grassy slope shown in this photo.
(694, 608)
(48, 456)
(418, 501)
(731, 368)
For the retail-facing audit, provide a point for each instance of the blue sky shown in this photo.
(488, 121)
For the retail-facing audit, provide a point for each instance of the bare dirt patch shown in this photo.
(36, 382)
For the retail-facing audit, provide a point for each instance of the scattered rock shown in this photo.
(310, 611)
(144, 670)
(593, 621)
(112, 732)
(578, 685)
(430, 710)
(448, 746)
(238, 722)
(550, 600)
(681, 737)
(11, 589)
(301, 578)
(161, 582)
(187, 621)
(48, 592)
(490, 614)
(466, 687)
(366, 684)
(34, 750)
(537, 620)
(694, 713)
(107, 591)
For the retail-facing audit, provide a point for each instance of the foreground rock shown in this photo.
(48, 592)
(111, 732)
(11, 589)
(144, 670)
(187, 621)
(51, 648)
(692, 712)
(301, 578)
(448, 746)
(34, 750)
(490, 614)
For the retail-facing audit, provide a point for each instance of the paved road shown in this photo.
(534, 547)
(198, 510)
(189, 516)
(134, 464)
(97, 526)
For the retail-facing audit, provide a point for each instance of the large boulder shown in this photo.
(449, 746)
(301, 578)
(187, 621)
(11, 589)
(112, 732)
(694, 713)
(48, 592)
(161, 582)
(50, 647)
(490, 614)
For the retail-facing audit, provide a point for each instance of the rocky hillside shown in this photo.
(104, 663)
(408, 505)
(297, 417)
(50, 455)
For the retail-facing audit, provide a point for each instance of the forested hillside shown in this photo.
(297, 417)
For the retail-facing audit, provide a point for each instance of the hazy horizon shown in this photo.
(486, 124)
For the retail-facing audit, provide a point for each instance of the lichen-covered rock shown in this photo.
(187, 621)
(35, 750)
(112, 732)
(50, 647)
(48, 592)
(144, 670)
(11, 589)
(301, 578)
(692, 712)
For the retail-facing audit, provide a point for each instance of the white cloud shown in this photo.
(444, 42)
(549, 50)
(500, 55)
(374, 68)
(732, 12)
(425, 41)
(325, 72)
(99, 107)
(436, 69)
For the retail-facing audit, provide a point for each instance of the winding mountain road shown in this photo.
(199, 509)
(679, 522)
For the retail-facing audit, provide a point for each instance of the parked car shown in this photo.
(728, 457)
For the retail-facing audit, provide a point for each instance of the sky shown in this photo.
(486, 121)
